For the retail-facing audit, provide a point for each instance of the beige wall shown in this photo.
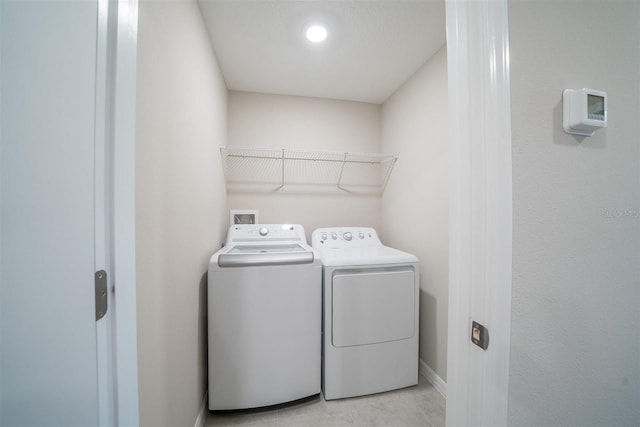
(305, 124)
(575, 345)
(415, 213)
(180, 206)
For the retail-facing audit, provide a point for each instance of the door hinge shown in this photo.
(101, 294)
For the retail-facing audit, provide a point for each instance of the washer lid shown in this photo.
(262, 254)
(266, 249)
(364, 256)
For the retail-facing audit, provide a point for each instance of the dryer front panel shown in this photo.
(373, 306)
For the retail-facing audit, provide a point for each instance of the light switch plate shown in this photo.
(479, 335)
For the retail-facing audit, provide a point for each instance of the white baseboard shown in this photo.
(202, 414)
(433, 378)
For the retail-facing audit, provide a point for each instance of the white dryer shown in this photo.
(370, 313)
(264, 306)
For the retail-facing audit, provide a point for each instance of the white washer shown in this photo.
(370, 313)
(264, 305)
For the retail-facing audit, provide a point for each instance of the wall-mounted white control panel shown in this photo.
(584, 111)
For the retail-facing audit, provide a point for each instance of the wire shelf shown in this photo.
(276, 168)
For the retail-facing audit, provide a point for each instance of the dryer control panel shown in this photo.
(345, 237)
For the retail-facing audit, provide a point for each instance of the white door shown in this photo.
(48, 358)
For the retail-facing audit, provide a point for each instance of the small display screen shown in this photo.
(595, 105)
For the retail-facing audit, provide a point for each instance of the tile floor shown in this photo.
(419, 406)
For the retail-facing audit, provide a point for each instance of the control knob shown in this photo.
(263, 231)
(347, 236)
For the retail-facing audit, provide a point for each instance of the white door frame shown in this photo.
(104, 326)
(116, 337)
(480, 211)
(124, 40)
(480, 257)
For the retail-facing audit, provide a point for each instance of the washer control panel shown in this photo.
(345, 237)
(266, 233)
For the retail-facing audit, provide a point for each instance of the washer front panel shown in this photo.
(264, 329)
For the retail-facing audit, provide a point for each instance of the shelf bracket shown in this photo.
(282, 183)
(388, 173)
(344, 162)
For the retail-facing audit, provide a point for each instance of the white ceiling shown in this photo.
(373, 46)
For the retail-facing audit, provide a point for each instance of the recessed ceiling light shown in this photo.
(316, 33)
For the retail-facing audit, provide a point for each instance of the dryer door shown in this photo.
(373, 306)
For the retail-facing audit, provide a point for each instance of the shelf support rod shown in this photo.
(282, 184)
(388, 174)
(344, 162)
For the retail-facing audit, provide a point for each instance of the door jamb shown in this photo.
(103, 102)
(480, 255)
(122, 174)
